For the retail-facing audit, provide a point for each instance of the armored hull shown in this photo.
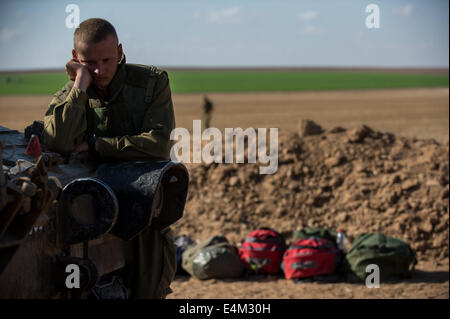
(57, 213)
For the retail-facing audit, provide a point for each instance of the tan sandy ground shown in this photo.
(428, 281)
(410, 112)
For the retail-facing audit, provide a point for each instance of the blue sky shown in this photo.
(33, 34)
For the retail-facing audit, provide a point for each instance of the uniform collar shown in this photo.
(118, 79)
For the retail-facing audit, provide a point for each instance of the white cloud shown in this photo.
(405, 10)
(311, 30)
(307, 15)
(7, 34)
(225, 16)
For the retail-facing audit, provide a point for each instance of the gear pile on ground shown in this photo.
(358, 179)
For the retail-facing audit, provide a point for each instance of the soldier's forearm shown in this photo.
(65, 122)
(83, 80)
(152, 145)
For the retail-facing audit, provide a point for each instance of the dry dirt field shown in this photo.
(421, 113)
(409, 112)
(429, 281)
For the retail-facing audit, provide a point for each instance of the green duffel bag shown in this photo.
(393, 256)
(212, 258)
(308, 232)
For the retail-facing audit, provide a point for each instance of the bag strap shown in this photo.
(149, 90)
(270, 240)
(414, 258)
(326, 246)
(150, 84)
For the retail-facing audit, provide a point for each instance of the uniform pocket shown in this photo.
(100, 120)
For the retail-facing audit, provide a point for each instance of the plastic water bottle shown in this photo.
(341, 240)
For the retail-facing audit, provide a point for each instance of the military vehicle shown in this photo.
(60, 218)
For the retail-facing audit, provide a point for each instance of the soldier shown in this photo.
(112, 109)
(207, 110)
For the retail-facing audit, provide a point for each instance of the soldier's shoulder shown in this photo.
(64, 92)
(138, 74)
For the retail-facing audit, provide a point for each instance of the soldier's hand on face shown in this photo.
(78, 73)
(73, 68)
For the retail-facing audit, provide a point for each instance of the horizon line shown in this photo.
(426, 70)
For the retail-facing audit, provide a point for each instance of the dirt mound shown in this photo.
(360, 180)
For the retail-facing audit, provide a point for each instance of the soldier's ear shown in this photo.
(119, 52)
(74, 54)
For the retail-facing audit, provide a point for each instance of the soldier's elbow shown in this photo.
(56, 145)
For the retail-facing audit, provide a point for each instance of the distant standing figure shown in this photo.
(207, 111)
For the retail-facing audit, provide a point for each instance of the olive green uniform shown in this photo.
(132, 123)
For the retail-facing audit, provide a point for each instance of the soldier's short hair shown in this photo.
(93, 30)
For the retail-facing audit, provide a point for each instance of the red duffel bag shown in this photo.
(262, 251)
(310, 257)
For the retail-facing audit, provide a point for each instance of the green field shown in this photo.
(241, 81)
